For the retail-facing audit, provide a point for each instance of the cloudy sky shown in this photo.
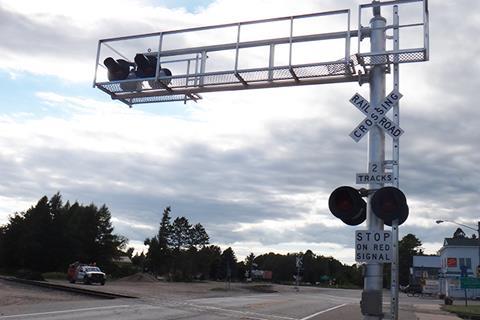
(255, 167)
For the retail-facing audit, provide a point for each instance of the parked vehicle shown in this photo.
(87, 274)
(413, 290)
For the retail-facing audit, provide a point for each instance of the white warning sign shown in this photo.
(373, 246)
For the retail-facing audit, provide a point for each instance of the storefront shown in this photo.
(459, 257)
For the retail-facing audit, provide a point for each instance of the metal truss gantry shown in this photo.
(218, 63)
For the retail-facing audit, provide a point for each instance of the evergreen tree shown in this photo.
(208, 262)
(198, 237)
(228, 264)
(249, 261)
(158, 256)
(408, 247)
(179, 249)
(50, 235)
(180, 236)
(459, 234)
(165, 230)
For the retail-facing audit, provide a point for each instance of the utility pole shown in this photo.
(478, 238)
(373, 280)
(299, 265)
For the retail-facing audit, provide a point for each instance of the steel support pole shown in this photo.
(394, 285)
(478, 265)
(373, 278)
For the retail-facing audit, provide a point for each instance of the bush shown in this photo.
(122, 270)
(29, 275)
(55, 275)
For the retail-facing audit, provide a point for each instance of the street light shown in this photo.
(478, 238)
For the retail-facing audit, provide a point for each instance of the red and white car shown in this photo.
(85, 273)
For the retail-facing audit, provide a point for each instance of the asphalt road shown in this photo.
(292, 306)
(318, 304)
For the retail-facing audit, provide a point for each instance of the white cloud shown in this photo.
(260, 163)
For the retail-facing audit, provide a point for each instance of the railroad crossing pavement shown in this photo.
(162, 301)
(263, 308)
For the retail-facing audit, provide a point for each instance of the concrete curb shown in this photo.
(89, 292)
(433, 312)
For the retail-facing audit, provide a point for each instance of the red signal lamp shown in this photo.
(347, 204)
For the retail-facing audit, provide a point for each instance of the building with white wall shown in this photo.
(455, 255)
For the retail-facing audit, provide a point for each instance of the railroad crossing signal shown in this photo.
(376, 115)
(193, 75)
(347, 204)
(389, 203)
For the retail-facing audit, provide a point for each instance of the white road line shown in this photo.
(323, 311)
(63, 311)
(336, 298)
(250, 314)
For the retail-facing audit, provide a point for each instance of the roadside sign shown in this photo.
(469, 283)
(463, 271)
(373, 246)
(374, 174)
(376, 115)
(366, 178)
(299, 262)
(431, 287)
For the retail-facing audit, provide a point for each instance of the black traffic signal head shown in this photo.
(346, 204)
(117, 69)
(389, 203)
(146, 65)
(164, 72)
(146, 68)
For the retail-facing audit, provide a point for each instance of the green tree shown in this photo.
(408, 247)
(165, 229)
(249, 261)
(228, 264)
(50, 235)
(198, 237)
(158, 256)
(180, 236)
(208, 262)
(179, 249)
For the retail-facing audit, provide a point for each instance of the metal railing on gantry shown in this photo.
(276, 52)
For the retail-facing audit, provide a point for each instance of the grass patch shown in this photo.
(465, 312)
(262, 288)
(55, 275)
(219, 289)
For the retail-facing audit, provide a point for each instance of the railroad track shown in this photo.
(54, 286)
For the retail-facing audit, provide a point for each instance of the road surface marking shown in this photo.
(253, 315)
(336, 298)
(324, 311)
(63, 311)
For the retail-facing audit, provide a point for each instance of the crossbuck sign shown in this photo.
(376, 115)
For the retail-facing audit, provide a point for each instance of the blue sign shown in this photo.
(463, 270)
